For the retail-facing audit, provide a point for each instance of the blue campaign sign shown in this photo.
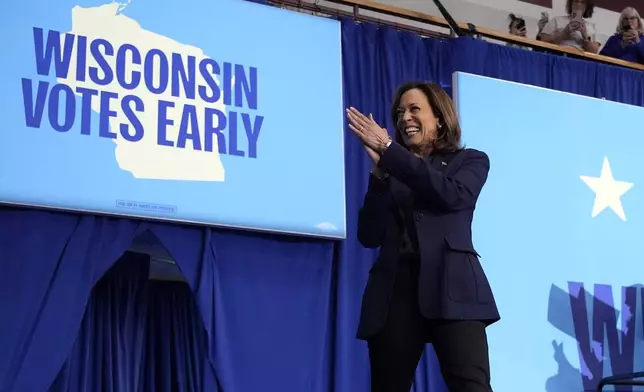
(559, 228)
(224, 112)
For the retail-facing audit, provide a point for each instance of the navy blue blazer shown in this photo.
(445, 188)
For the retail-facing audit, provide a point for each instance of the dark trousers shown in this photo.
(394, 353)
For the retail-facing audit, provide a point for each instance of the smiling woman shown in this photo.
(427, 284)
(417, 125)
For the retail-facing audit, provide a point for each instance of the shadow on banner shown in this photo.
(606, 337)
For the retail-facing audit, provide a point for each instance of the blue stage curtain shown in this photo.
(576, 76)
(177, 358)
(110, 346)
(50, 262)
(265, 301)
(137, 335)
(272, 311)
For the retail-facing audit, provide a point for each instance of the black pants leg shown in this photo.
(461, 346)
(462, 352)
(394, 353)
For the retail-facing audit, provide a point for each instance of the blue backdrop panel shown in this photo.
(558, 226)
(187, 113)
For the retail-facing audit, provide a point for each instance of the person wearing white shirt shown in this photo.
(573, 30)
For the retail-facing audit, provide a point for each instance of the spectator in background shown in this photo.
(627, 43)
(543, 21)
(573, 30)
(517, 26)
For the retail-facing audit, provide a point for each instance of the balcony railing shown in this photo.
(435, 25)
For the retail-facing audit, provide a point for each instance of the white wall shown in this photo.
(494, 13)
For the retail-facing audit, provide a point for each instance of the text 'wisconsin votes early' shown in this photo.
(202, 125)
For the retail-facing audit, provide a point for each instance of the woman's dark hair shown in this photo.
(514, 19)
(590, 8)
(448, 138)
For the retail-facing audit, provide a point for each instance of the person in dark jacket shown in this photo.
(427, 284)
(627, 43)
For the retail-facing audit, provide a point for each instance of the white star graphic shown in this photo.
(607, 191)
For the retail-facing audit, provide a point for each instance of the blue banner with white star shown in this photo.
(558, 226)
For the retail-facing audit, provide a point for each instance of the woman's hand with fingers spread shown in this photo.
(370, 133)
